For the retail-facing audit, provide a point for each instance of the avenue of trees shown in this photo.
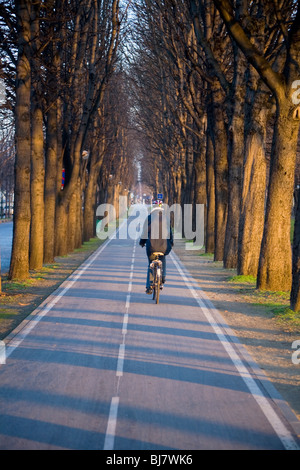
(217, 90)
(65, 88)
(205, 93)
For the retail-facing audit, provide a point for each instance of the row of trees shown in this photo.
(211, 86)
(216, 84)
(65, 86)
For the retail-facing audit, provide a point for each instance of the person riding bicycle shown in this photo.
(157, 236)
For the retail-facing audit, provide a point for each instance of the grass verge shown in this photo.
(19, 298)
(275, 304)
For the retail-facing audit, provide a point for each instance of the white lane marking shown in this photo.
(121, 358)
(32, 322)
(125, 323)
(113, 413)
(127, 302)
(111, 424)
(282, 432)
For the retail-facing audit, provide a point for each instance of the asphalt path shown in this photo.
(100, 366)
(6, 234)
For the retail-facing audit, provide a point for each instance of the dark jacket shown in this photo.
(157, 234)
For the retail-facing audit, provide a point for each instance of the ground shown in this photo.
(19, 299)
(250, 314)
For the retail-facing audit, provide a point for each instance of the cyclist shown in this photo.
(157, 236)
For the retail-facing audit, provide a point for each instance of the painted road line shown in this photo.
(125, 323)
(121, 358)
(113, 412)
(280, 429)
(34, 318)
(111, 424)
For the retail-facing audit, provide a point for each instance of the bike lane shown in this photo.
(101, 366)
(188, 383)
(57, 383)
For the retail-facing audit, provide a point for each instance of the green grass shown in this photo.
(242, 279)
(275, 304)
(91, 244)
(209, 255)
(6, 313)
(292, 229)
(18, 285)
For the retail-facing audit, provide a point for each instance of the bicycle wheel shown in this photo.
(157, 287)
(157, 283)
(154, 284)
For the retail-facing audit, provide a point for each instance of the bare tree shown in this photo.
(19, 267)
(275, 271)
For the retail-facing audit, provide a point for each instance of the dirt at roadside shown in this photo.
(268, 341)
(18, 300)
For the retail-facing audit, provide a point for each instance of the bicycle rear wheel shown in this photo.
(154, 284)
(157, 283)
(157, 288)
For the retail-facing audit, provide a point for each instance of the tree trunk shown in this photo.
(210, 196)
(254, 178)
(50, 184)
(219, 136)
(295, 292)
(61, 225)
(235, 162)
(253, 204)
(72, 223)
(79, 212)
(19, 266)
(37, 190)
(36, 248)
(89, 208)
(275, 264)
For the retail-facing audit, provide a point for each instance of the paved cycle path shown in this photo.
(100, 366)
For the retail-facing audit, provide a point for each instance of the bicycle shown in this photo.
(156, 269)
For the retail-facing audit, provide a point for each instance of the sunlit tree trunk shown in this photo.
(36, 251)
(254, 178)
(19, 267)
(275, 264)
(50, 184)
(37, 190)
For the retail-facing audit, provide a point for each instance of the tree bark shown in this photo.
(210, 196)
(295, 291)
(50, 184)
(219, 136)
(37, 190)
(254, 178)
(235, 161)
(275, 264)
(19, 266)
(36, 249)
